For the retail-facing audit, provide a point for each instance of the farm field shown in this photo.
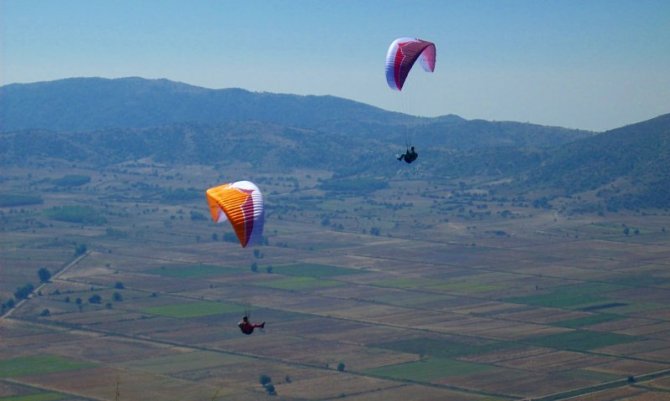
(396, 294)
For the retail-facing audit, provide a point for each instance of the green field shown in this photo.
(429, 370)
(299, 283)
(573, 296)
(466, 287)
(407, 282)
(313, 270)
(76, 214)
(581, 340)
(588, 320)
(38, 365)
(446, 348)
(192, 271)
(641, 280)
(36, 397)
(13, 200)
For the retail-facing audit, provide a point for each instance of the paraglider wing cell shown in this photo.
(401, 56)
(241, 203)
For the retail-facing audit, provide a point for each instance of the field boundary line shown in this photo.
(49, 389)
(603, 386)
(172, 343)
(65, 268)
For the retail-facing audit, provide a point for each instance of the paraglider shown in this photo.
(400, 58)
(409, 156)
(247, 327)
(241, 203)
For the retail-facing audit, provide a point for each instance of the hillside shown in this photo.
(108, 121)
(267, 146)
(627, 166)
(112, 120)
(84, 104)
(92, 104)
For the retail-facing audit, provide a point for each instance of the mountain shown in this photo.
(264, 145)
(84, 104)
(628, 166)
(107, 121)
(91, 104)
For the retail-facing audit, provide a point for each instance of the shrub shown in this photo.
(44, 275)
(264, 380)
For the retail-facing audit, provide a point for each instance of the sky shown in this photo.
(585, 64)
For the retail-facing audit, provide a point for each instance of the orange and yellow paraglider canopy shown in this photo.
(241, 203)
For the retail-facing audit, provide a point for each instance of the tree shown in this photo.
(80, 250)
(340, 367)
(24, 292)
(119, 285)
(44, 275)
(254, 267)
(8, 305)
(264, 380)
(270, 388)
(95, 299)
(45, 312)
(117, 297)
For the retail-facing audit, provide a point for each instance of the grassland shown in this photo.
(313, 270)
(299, 283)
(397, 293)
(581, 340)
(192, 271)
(38, 364)
(571, 296)
(36, 397)
(588, 320)
(429, 370)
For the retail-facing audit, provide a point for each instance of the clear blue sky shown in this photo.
(574, 63)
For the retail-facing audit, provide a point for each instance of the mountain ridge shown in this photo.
(76, 104)
(103, 121)
(635, 157)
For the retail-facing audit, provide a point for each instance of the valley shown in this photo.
(390, 287)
